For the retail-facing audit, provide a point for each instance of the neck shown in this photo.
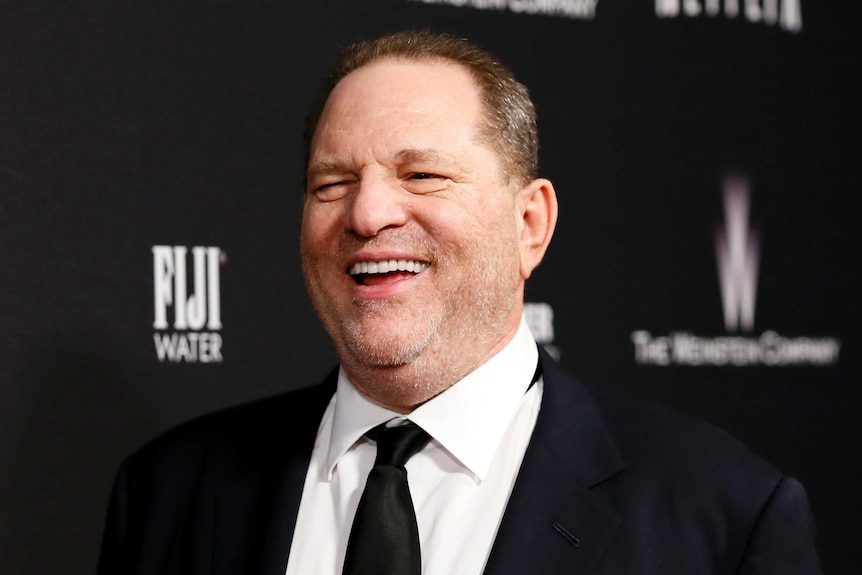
(403, 388)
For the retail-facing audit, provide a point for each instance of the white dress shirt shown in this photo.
(460, 482)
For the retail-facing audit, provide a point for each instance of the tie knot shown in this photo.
(397, 444)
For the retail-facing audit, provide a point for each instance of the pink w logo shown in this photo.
(737, 249)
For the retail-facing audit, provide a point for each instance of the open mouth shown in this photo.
(374, 273)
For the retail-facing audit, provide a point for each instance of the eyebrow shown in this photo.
(323, 168)
(405, 156)
(431, 155)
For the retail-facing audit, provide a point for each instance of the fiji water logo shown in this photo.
(187, 322)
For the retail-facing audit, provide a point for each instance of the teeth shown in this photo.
(386, 266)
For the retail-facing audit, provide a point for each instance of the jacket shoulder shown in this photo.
(247, 431)
(658, 440)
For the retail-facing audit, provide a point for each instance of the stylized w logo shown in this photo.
(738, 253)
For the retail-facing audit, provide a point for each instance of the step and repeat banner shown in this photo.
(151, 184)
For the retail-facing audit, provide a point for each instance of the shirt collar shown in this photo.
(468, 420)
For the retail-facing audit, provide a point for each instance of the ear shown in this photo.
(537, 210)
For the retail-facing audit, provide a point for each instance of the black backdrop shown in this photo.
(126, 126)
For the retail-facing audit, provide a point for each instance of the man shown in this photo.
(423, 219)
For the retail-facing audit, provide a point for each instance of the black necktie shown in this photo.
(384, 539)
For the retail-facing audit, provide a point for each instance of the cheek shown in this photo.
(316, 231)
(499, 223)
(312, 251)
(470, 215)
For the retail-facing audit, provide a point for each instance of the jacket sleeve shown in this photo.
(114, 554)
(783, 539)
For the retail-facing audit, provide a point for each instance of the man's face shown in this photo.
(410, 233)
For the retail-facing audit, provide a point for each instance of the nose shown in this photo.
(377, 204)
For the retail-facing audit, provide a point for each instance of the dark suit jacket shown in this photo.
(607, 486)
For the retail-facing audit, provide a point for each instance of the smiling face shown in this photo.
(411, 238)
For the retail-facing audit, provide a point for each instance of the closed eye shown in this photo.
(330, 191)
(425, 182)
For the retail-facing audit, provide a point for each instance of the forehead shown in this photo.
(396, 94)
(401, 76)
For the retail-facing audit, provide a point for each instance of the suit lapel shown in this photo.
(255, 513)
(553, 523)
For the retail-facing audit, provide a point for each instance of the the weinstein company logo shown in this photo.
(192, 335)
(737, 247)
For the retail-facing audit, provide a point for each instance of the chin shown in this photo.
(388, 337)
(384, 352)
